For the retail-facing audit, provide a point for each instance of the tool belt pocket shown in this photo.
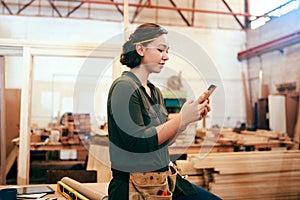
(152, 185)
(172, 178)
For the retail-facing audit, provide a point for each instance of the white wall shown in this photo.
(277, 67)
(221, 46)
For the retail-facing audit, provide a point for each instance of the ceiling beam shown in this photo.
(180, 13)
(54, 8)
(150, 6)
(25, 6)
(234, 15)
(273, 45)
(6, 7)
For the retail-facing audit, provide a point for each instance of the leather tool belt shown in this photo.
(152, 185)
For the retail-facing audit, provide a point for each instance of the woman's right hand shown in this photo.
(192, 111)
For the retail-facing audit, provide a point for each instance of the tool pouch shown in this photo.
(152, 185)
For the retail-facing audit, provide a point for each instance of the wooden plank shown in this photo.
(205, 163)
(197, 180)
(252, 167)
(12, 117)
(263, 133)
(252, 175)
(185, 167)
(11, 158)
(297, 129)
(24, 149)
(16, 47)
(2, 121)
(292, 196)
(219, 159)
(49, 45)
(256, 191)
(10, 51)
(249, 155)
(249, 112)
(196, 149)
(255, 168)
(255, 177)
(73, 53)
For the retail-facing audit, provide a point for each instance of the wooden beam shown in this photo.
(125, 17)
(12, 47)
(10, 51)
(249, 112)
(17, 45)
(11, 159)
(25, 121)
(297, 129)
(2, 121)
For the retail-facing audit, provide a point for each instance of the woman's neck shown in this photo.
(141, 74)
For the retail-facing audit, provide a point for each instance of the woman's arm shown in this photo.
(191, 111)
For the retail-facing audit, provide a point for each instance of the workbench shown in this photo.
(81, 148)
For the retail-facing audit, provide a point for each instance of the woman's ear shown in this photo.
(139, 49)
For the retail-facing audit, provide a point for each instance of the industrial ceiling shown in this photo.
(179, 12)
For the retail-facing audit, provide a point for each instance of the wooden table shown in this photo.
(82, 150)
(57, 147)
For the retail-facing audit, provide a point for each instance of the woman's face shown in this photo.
(156, 54)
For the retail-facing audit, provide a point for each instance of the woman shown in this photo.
(139, 132)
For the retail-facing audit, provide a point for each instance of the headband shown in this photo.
(144, 41)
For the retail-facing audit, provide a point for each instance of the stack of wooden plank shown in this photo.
(201, 177)
(260, 139)
(82, 122)
(187, 137)
(246, 175)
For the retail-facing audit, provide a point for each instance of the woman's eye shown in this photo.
(162, 50)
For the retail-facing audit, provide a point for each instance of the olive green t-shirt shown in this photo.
(132, 119)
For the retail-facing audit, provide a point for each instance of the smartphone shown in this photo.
(210, 89)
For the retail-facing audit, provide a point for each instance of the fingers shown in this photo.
(193, 110)
(204, 113)
(208, 108)
(203, 97)
(204, 108)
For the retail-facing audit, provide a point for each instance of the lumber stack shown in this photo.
(187, 137)
(258, 140)
(246, 175)
(82, 122)
(200, 177)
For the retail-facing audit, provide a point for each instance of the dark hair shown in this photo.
(143, 34)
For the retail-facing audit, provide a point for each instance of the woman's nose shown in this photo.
(165, 56)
